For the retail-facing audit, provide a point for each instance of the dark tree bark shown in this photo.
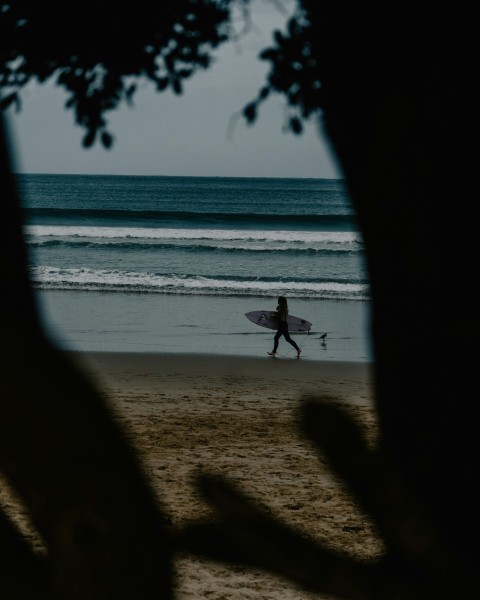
(62, 452)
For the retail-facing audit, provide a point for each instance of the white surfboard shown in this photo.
(268, 319)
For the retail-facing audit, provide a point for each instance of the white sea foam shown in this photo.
(116, 280)
(165, 234)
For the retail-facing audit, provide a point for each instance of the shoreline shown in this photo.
(259, 365)
(160, 373)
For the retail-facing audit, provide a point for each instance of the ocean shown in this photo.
(172, 264)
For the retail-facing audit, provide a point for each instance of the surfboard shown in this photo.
(267, 318)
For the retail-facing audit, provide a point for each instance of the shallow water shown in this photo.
(133, 322)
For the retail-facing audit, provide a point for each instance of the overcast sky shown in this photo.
(196, 133)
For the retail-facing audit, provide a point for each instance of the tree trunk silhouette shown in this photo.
(103, 530)
(400, 125)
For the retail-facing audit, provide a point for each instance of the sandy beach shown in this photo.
(237, 416)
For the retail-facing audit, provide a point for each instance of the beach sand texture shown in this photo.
(238, 417)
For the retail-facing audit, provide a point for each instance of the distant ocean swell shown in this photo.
(271, 239)
(153, 217)
(299, 249)
(117, 280)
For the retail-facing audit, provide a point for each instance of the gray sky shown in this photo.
(196, 133)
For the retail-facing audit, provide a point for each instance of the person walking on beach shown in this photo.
(282, 314)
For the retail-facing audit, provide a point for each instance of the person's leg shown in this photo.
(275, 342)
(292, 342)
